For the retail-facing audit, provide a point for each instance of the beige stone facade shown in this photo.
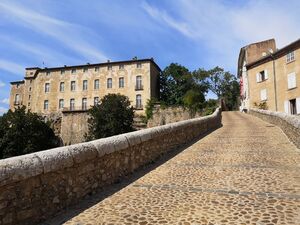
(275, 80)
(71, 88)
(249, 54)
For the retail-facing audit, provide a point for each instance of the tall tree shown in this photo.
(112, 116)
(175, 81)
(24, 132)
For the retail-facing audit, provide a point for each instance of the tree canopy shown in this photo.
(24, 132)
(181, 87)
(112, 116)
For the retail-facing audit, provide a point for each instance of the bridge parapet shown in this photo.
(36, 186)
(289, 124)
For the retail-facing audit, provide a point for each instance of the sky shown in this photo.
(193, 33)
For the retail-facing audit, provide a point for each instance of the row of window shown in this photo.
(96, 69)
(61, 103)
(139, 85)
(291, 78)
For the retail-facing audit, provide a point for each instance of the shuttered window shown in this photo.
(263, 94)
(291, 80)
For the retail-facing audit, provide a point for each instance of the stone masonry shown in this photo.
(289, 124)
(36, 186)
(245, 173)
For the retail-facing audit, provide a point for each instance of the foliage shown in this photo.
(179, 88)
(149, 108)
(112, 116)
(221, 83)
(261, 105)
(24, 132)
(193, 100)
(210, 107)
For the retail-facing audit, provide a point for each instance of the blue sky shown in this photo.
(194, 33)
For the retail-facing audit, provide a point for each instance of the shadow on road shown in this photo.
(107, 191)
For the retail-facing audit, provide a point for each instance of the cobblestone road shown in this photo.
(246, 172)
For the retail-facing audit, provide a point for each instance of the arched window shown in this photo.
(139, 102)
(109, 83)
(138, 84)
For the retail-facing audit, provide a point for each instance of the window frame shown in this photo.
(121, 82)
(109, 83)
(46, 105)
(62, 86)
(85, 85)
(290, 57)
(47, 87)
(73, 82)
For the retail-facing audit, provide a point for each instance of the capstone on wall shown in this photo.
(36, 186)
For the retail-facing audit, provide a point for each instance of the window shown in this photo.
(96, 68)
(290, 57)
(85, 70)
(17, 99)
(29, 97)
(84, 104)
(62, 72)
(292, 106)
(48, 73)
(62, 86)
(73, 71)
(121, 82)
(96, 100)
(84, 85)
(263, 95)
(292, 80)
(61, 104)
(72, 104)
(30, 88)
(46, 105)
(109, 67)
(109, 83)
(96, 84)
(73, 86)
(138, 85)
(47, 87)
(121, 67)
(139, 65)
(262, 76)
(139, 102)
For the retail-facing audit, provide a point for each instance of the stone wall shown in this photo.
(36, 186)
(289, 124)
(74, 126)
(169, 115)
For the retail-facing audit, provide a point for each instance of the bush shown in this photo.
(24, 132)
(112, 116)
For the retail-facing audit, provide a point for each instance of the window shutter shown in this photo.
(257, 77)
(291, 80)
(266, 74)
(286, 107)
(298, 105)
(263, 94)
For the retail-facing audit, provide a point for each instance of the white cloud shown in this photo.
(5, 101)
(69, 34)
(12, 67)
(2, 84)
(224, 28)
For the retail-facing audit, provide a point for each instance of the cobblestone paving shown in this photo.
(246, 172)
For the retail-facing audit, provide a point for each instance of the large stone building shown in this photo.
(272, 76)
(71, 88)
(249, 54)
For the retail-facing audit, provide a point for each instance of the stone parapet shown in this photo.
(289, 124)
(36, 186)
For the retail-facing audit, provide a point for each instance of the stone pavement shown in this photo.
(246, 172)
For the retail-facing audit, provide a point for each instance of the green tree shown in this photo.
(224, 85)
(175, 81)
(24, 132)
(112, 116)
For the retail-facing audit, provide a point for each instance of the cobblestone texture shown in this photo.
(246, 172)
